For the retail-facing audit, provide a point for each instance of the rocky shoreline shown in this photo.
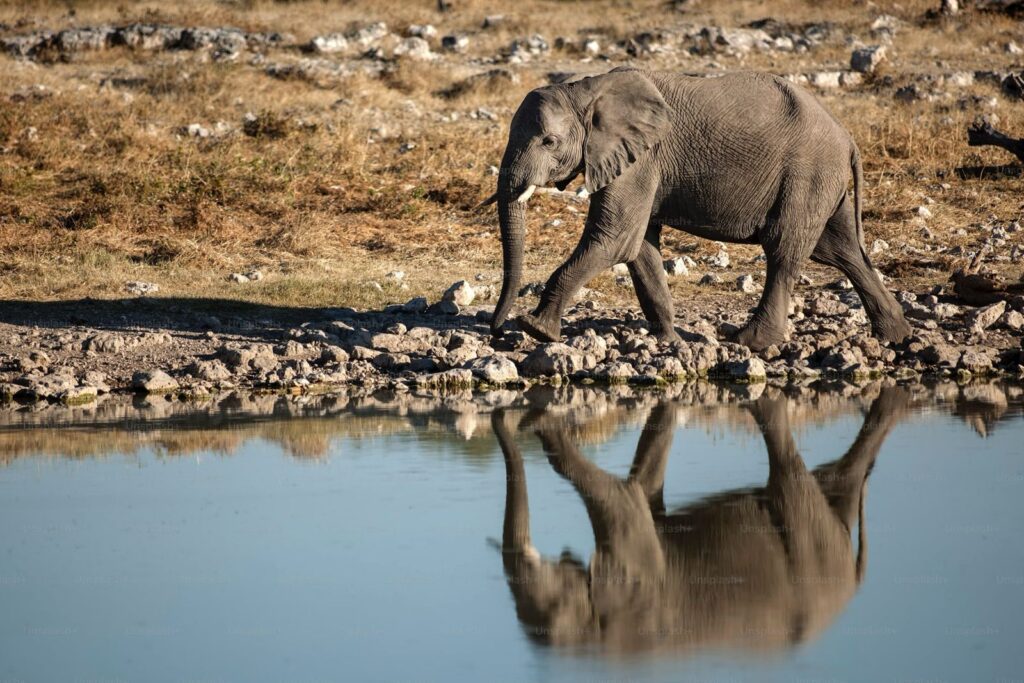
(78, 351)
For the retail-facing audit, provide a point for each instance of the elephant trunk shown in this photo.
(512, 218)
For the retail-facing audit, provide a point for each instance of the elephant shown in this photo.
(745, 158)
(752, 570)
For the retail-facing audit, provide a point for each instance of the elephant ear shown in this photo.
(627, 117)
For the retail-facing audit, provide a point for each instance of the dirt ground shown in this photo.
(172, 151)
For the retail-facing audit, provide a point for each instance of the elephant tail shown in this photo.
(858, 182)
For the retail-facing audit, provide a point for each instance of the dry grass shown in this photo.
(99, 186)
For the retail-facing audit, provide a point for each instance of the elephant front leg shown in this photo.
(615, 230)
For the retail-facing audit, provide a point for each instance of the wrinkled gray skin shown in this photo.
(754, 569)
(744, 158)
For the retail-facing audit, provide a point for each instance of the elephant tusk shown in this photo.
(526, 194)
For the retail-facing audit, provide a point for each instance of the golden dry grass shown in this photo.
(98, 186)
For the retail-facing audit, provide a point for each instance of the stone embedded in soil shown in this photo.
(462, 293)
(975, 362)
(746, 284)
(866, 59)
(494, 369)
(676, 267)
(415, 305)
(1012, 320)
(140, 288)
(104, 342)
(747, 370)
(209, 370)
(154, 382)
(553, 358)
(981, 319)
(710, 279)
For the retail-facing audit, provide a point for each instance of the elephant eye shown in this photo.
(549, 141)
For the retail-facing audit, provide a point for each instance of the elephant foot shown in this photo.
(668, 336)
(758, 337)
(893, 330)
(538, 329)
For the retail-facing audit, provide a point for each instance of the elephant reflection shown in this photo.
(757, 569)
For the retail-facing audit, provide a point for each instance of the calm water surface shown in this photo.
(871, 535)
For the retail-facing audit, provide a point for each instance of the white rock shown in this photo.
(676, 267)
(238, 278)
(494, 369)
(153, 382)
(326, 44)
(414, 48)
(620, 269)
(462, 293)
(746, 284)
(879, 246)
(720, 260)
(141, 288)
(395, 276)
(923, 211)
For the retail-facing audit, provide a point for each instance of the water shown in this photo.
(361, 538)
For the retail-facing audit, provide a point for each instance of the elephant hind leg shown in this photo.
(651, 286)
(840, 247)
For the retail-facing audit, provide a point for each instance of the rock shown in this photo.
(676, 267)
(746, 284)
(140, 288)
(923, 211)
(615, 372)
(1012, 320)
(450, 379)
(719, 260)
(426, 31)
(238, 278)
(879, 247)
(620, 269)
(446, 307)
(823, 304)
(749, 370)
(95, 379)
(33, 360)
(941, 355)
(866, 59)
(590, 344)
(395, 276)
(495, 369)
(254, 356)
(254, 275)
(709, 279)
(825, 80)
(154, 382)
(104, 342)
(979, 320)
(209, 370)
(552, 358)
(415, 48)
(328, 44)
(461, 293)
(493, 21)
(78, 395)
(334, 354)
(455, 43)
(975, 362)
(415, 305)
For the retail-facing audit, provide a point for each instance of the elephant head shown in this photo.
(597, 126)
